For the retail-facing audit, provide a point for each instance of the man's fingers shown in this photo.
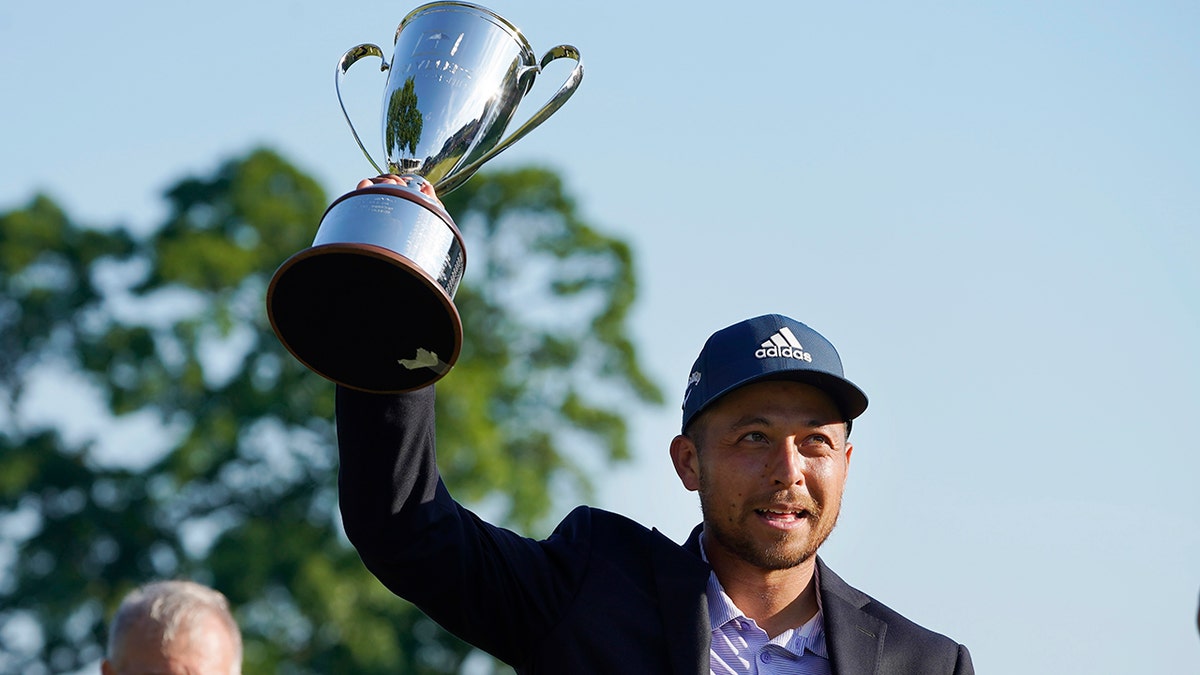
(424, 186)
(427, 189)
(389, 178)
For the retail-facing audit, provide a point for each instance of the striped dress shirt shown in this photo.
(740, 647)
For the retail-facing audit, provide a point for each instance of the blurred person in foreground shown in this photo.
(765, 431)
(173, 628)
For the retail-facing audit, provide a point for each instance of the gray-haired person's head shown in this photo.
(173, 625)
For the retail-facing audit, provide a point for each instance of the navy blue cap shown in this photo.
(769, 347)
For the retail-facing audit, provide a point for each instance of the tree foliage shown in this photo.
(233, 483)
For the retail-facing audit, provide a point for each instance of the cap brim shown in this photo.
(850, 400)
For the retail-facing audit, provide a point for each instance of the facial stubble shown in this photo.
(782, 553)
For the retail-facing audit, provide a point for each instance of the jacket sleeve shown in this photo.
(964, 665)
(493, 588)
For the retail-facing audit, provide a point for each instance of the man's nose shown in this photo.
(788, 463)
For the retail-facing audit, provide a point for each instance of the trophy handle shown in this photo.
(348, 59)
(556, 101)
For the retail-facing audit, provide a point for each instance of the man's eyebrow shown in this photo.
(749, 421)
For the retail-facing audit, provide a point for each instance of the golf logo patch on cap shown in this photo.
(785, 345)
(693, 380)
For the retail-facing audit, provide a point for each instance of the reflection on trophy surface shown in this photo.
(370, 305)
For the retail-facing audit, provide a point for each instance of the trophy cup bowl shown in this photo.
(370, 305)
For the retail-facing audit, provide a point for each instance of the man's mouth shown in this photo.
(782, 515)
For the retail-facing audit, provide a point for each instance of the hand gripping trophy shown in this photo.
(370, 305)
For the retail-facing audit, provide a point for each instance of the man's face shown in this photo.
(769, 461)
(206, 648)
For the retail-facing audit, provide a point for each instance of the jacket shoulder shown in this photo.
(906, 647)
(608, 530)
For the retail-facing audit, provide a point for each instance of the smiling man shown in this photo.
(765, 442)
(769, 461)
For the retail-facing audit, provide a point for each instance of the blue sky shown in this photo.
(990, 208)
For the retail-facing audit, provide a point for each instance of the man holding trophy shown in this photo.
(764, 438)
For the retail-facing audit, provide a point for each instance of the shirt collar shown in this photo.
(722, 610)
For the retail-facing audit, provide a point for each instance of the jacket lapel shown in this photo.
(682, 579)
(853, 637)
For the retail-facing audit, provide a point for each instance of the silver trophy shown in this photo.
(370, 305)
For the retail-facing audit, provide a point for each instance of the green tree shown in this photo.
(235, 484)
(402, 134)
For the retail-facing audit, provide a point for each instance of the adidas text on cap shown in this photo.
(769, 347)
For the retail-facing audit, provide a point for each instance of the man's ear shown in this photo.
(686, 458)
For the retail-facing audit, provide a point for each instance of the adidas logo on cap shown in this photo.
(783, 344)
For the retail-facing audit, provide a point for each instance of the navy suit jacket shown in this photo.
(602, 594)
